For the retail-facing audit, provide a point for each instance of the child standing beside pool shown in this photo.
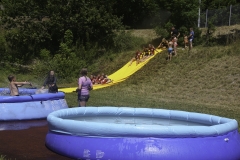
(84, 86)
(13, 85)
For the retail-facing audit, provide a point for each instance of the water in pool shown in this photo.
(136, 120)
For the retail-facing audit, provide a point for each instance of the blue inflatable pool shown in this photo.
(29, 105)
(117, 133)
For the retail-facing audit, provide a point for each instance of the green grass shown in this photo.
(207, 80)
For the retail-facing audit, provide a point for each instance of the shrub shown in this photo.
(124, 41)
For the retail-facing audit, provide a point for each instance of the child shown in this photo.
(136, 58)
(151, 49)
(190, 38)
(13, 85)
(185, 38)
(174, 40)
(170, 50)
(105, 79)
(163, 44)
(145, 54)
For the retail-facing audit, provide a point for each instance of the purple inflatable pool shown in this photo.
(123, 133)
(29, 105)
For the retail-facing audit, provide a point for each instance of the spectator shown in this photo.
(84, 86)
(190, 38)
(175, 32)
(13, 85)
(185, 39)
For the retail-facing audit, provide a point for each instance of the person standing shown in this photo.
(13, 85)
(170, 50)
(174, 32)
(191, 37)
(84, 86)
(51, 82)
(174, 40)
(185, 39)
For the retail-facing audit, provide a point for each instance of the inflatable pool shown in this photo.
(29, 105)
(113, 133)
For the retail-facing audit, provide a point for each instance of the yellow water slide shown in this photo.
(118, 76)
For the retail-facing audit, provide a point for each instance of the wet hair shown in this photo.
(10, 78)
(84, 72)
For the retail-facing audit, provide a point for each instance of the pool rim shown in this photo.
(218, 125)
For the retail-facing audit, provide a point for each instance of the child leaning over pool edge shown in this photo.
(13, 85)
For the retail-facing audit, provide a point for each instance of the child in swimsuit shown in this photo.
(13, 85)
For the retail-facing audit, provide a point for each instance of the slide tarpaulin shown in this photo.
(118, 76)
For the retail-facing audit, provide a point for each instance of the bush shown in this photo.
(163, 33)
(124, 41)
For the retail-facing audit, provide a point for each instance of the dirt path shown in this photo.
(26, 144)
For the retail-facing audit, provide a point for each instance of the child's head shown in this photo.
(11, 78)
(83, 72)
(51, 72)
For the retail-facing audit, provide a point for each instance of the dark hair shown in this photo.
(10, 78)
(84, 72)
(50, 78)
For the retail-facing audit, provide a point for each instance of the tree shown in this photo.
(34, 25)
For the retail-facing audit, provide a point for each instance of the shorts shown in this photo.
(170, 50)
(190, 40)
(83, 98)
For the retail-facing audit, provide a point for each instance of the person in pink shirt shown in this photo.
(84, 86)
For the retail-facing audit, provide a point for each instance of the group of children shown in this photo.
(141, 56)
(172, 44)
(100, 79)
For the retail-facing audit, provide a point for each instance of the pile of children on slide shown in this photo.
(100, 79)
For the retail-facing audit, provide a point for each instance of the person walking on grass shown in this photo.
(13, 85)
(84, 86)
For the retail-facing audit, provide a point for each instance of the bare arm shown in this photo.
(178, 34)
(19, 84)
